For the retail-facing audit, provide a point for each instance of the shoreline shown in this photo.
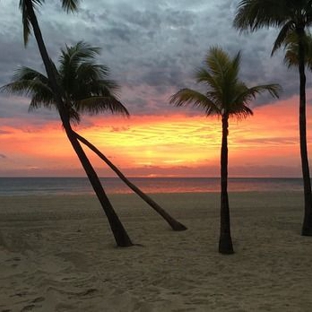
(69, 186)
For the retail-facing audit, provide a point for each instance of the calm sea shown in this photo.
(78, 186)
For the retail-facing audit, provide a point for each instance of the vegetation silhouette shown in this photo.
(86, 88)
(175, 225)
(291, 17)
(30, 22)
(226, 96)
(291, 50)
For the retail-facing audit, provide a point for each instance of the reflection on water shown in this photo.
(55, 186)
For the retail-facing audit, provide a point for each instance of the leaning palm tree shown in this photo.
(290, 17)
(85, 89)
(226, 96)
(175, 225)
(30, 22)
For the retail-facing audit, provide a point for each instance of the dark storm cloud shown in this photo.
(152, 48)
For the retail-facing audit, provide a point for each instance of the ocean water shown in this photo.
(79, 186)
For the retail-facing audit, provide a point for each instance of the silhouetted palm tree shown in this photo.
(290, 17)
(84, 84)
(226, 96)
(175, 225)
(30, 22)
(85, 88)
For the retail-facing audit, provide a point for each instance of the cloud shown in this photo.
(151, 48)
(3, 156)
(5, 132)
(269, 141)
(119, 129)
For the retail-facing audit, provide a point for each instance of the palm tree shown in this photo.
(85, 88)
(30, 22)
(175, 225)
(84, 84)
(226, 97)
(290, 17)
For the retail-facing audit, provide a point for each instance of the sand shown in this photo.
(58, 254)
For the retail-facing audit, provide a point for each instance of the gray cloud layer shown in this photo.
(152, 47)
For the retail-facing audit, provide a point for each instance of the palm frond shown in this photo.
(88, 71)
(249, 94)
(196, 99)
(89, 81)
(292, 49)
(109, 87)
(27, 73)
(81, 51)
(75, 59)
(26, 17)
(236, 65)
(70, 5)
(27, 82)
(42, 99)
(255, 14)
(213, 84)
(74, 116)
(202, 75)
(284, 33)
(97, 104)
(217, 61)
(230, 80)
(240, 112)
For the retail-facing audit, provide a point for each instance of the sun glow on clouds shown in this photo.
(177, 145)
(158, 141)
(268, 138)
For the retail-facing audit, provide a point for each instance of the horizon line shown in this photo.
(155, 177)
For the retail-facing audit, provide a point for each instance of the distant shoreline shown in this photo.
(68, 186)
(145, 177)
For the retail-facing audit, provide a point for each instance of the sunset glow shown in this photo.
(265, 144)
(151, 57)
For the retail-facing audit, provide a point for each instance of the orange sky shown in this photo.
(265, 144)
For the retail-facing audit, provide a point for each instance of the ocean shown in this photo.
(79, 186)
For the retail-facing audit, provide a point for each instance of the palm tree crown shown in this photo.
(226, 94)
(83, 82)
(67, 5)
(288, 15)
(255, 14)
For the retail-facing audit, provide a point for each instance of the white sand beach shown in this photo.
(57, 254)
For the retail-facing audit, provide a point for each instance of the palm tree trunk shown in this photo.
(225, 241)
(307, 220)
(175, 225)
(120, 234)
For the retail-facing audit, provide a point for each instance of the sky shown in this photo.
(152, 49)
